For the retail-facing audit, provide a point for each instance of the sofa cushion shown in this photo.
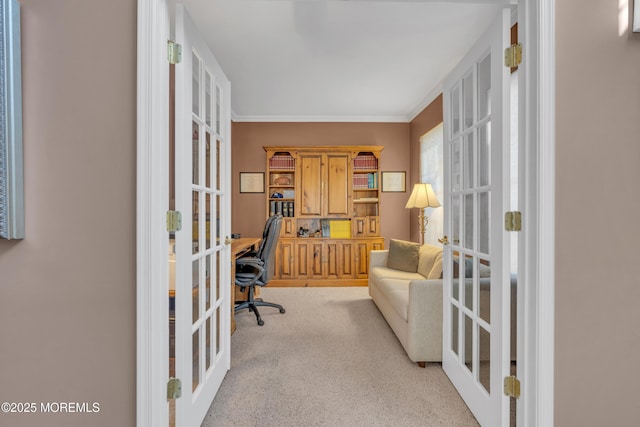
(403, 255)
(378, 273)
(429, 255)
(468, 267)
(396, 291)
(436, 270)
(484, 270)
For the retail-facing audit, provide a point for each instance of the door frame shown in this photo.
(537, 33)
(152, 169)
(537, 84)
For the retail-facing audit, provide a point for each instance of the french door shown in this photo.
(203, 196)
(476, 297)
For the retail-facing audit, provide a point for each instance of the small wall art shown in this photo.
(394, 182)
(252, 182)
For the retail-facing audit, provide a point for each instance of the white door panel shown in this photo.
(203, 197)
(476, 271)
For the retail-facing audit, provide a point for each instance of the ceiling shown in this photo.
(336, 60)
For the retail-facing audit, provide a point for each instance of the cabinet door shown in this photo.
(316, 260)
(310, 192)
(338, 187)
(359, 228)
(332, 259)
(346, 263)
(285, 260)
(373, 225)
(301, 265)
(362, 259)
(288, 227)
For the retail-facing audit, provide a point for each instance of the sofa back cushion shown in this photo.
(430, 261)
(403, 255)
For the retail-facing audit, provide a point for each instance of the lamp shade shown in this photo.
(422, 196)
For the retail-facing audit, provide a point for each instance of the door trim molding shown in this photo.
(152, 310)
(536, 348)
(545, 75)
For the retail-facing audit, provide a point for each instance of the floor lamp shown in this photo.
(422, 197)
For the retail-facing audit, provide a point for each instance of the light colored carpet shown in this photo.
(330, 360)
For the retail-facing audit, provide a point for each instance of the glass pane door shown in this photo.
(476, 291)
(203, 198)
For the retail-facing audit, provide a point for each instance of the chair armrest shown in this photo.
(249, 261)
(248, 271)
(378, 258)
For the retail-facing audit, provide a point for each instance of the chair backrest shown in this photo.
(267, 225)
(268, 246)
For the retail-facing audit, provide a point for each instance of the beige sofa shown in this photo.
(411, 302)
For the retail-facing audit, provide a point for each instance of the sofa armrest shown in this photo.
(424, 316)
(424, 295)
(378, 258)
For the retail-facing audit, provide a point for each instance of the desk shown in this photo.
(239, 247)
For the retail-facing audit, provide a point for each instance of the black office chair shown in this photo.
(257, 269)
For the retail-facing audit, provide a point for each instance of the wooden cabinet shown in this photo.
(329, 197)
(362, 249)
(324, 189)
(365, 226)
(324, 262)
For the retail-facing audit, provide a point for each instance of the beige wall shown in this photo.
(428, 118)
(597, 228)
(67, 291)
(249, 156)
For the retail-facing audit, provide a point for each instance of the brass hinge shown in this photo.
(174, 221)
(174, 52)
(513, 221)
(512, 387)
(174, 388)
(513, 55)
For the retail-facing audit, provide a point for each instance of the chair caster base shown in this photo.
(260, 322)
(282, 310)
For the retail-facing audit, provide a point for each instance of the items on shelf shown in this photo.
(365, 162)
(281, 207)
(282, 161)
(365, 181)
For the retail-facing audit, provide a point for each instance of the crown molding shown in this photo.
(322, 119)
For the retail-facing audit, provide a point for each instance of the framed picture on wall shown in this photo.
(252, 182)
(394, 182)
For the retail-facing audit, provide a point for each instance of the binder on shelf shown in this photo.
(324, 226)
(285, 209)
(339, 228)
(272, 208)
